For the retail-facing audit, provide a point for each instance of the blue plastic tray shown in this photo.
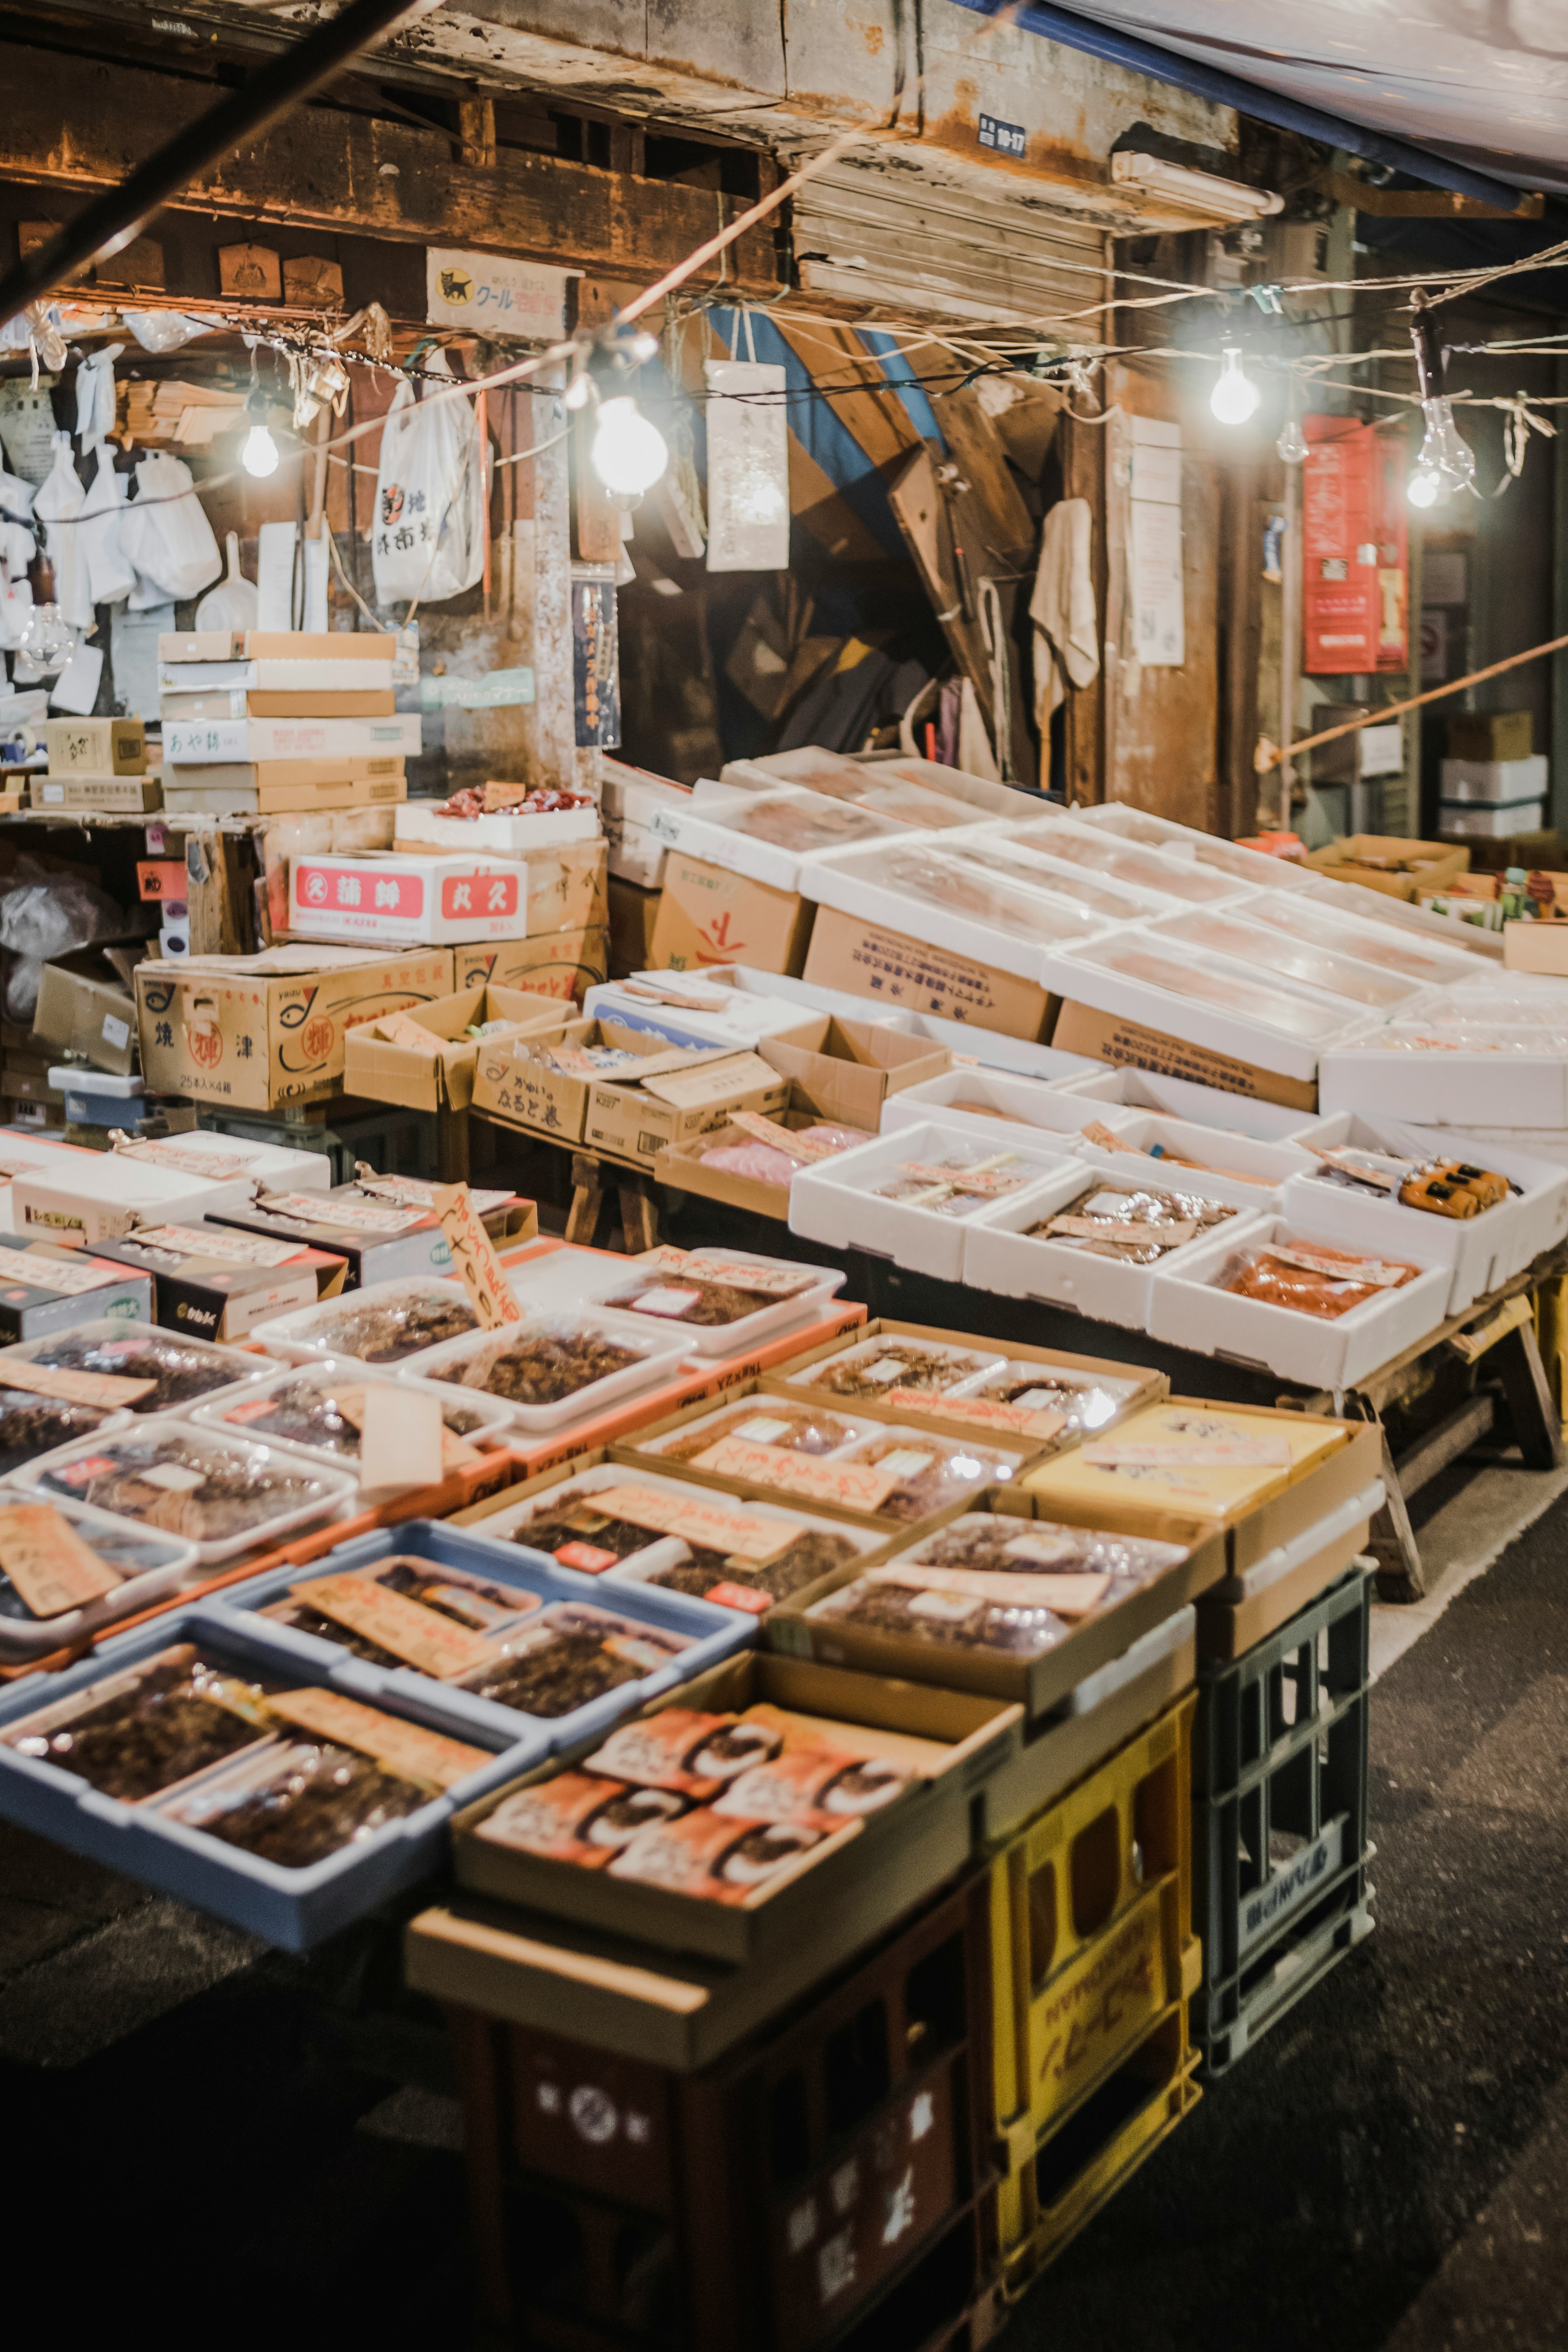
(713, 1632)
(294, 1908)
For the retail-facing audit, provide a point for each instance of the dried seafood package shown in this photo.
(761, 1421)
(542, 1362)
(1139, 1225)
(926, 1473)
(1141, 870)
(688, 1294)
(139, 1732)
(295, 1805)
(870, 1368)
(961, 888)
(115, 1542)
(1084, 1400)
(775, 1155)
(31, 1425)
(352, 1611)
(1312, 1278)
(808, 824)
(388, 1327)
(213, 1492)
(169, 1369)
(569, 1655)
(324, 1414)
(959, 1180)
(1320, 967)
(739, 1583)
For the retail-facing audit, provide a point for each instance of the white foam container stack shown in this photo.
(1533, 1221)
(837, 1201)
(1083, 976)
(1253, 867)
(1148, 1090)
(852, 882)
(1011, 1107)
(1248, 1174)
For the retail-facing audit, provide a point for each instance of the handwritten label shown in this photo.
(219, 1167)
(437, 1645)
(208, 1241)
(109, 1390)
(739, 1274)
(333, 1213)
(707, 1527)
(783, 1138)
(987, 1176)
(1210, 1454)
(48, 1564)
(984, 1412)
(1376, 1274)
(1064, 1596)
(1098, 1132)
(406, 1748)
(473, 1254)
(853, 1485)
(417, 1188)
(55, 1273)
(1128, 1230)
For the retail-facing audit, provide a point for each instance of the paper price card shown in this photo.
(48, 1562)
(706, 1527)
(209, 1241)
(40, 1273)
(783, 1138)
(109, 1390)
(1131, 1231)
(218, 1167)
(1064, 1596)
(987, 1176)
(853, 1485)
(406, 1748)
(437, 1645)
(339, 1215)
(400, 1438)
(490, 1295)
(1215, 1453)
(740, 1273)
(984, 1412)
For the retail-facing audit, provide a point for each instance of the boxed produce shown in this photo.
(622, 1090)
(913, 1195)
(1159, 1150)
(46, 1288)
(221, 1284)
(386, 1228)
(1431, 1195)
(554, 1368)
(1262, 870)
(425, 1059)
(897, 968)
(1093, 1247)
(989, 1102)
(846, 1071)
(66, 1572)
(135, 1368)
(401, 900)
(1250, 935)
(952, 1381)
(751, 1162)
(258, 1032)
(96, 747)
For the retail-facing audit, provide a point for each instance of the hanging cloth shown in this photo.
(100, 527)
(975, 757)
(95, 397)
(1062, 608)
(167, 535)
(57, 506)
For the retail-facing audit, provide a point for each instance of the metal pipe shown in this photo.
(111, 221)
(1102, 40)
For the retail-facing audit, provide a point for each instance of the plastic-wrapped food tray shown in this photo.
(697, 1297)
(187, 1371)
(239, 1495)
(1211, 1000)
(1002, 1254)
(1167, 874)
(563, 1349)
(1271, 945)
(294, 1409)
(151, 1563)
(848, 1201)
(1253, 867)
(916, 886)
(291, 1907)
(386, 1323)
(868, 1370)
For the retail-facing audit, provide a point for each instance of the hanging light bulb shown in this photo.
(629, 454)
(1292, 443)
(579, 386)
(1235, 396)
(1447, 462)
(259, 455)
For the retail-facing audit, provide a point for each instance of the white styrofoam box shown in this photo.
(199, 743)
(331, 1328)
(1547, 1145)
(1189, 1310)
(732, 830)
(1277, 1025)
(1400, 915)
(1009, 1109)
(1246, 1173)
(1284, 1558)
(1184, 1098)
(418, 821)
(872, 785)
(836, 773)
(276, 676)
(277, 1166)
(995, 849)
(573, 1277)
(836, 1201)
(1535, 1219)
(1501, 781)
(656, 1354)
(100, 1195)
(1483, 1077)
(904, 886)
(398, 898)
(1425, 963)
(1253, 867)
(151, 1564)
(629, 799)
(1268, 947)
(691, 1010)
(1172, 874)
(1002, 1256)
(1477, 1252)
(1472, 822)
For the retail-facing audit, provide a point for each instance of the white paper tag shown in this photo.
(115, 1033)
(948, 1608)
(174, 1477)
(904, 1462)
(672, 1303)
(882, 1369)
(210, 1241)
(762, 1429)
(1043, 1551)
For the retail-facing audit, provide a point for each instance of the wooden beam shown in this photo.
(76, 122)
(1240, 635)
(1421, 203)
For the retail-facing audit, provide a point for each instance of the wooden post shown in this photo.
(1084, 458)
(1240, 638)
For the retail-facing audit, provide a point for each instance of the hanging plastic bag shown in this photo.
(165, 534)
(430, 520)
(17, 553)
(42, 916)
(58, 507)
(99, 526)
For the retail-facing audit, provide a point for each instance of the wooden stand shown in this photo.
(638, 1202)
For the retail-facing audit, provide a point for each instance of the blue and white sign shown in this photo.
(1004, 138)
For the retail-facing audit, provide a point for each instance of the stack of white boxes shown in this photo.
(272, 722)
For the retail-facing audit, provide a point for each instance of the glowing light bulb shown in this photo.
(576, 392)
(1423, 489)
(1292, 443)
(643, 346)
(1447, 461)
(629, 454)
(259, 455)
(1235, 396)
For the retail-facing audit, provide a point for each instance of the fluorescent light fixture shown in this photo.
(1193, 198)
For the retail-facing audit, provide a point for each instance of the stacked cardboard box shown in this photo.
(96, 764)
(261, 722)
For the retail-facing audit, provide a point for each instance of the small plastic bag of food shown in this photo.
(1312, 1278)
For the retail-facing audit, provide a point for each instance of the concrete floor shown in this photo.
(1386, 2172)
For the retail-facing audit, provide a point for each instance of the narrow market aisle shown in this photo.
(1384, 2173)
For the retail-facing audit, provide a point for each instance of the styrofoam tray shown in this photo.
(97, 1196)
(548, 829)
(1231, 858)
(311, 1331)
(994, 852)
(1170, 875)
(979, 1366)
(836, 1201)
(1485, 1077)
(236, 1416)
(49, 1476)
(1210, 1107)
(1190, 1311)
(294, 1908)
(712, 831)
(1425, 962)
(1235, 1168)
(1000, 1255)
(659, 1355)
(808, 1305)
(1011, 1107)
(1381, 907)
(116, 1343)
(153, 1564)
(280, 1167)
(659, 1552)
(863, 882)
(1286, 1556)
(706, 1632)
(1272, 950)
(1308, 1025)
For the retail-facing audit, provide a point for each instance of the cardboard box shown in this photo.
(121, 795)
(197, 742)
(421, 1247)
(1490, 734)
(1108, 1037)
(44, 1288)
(708, 916)
(1400, 868)
(223, 1291)
(248, 702)
(86, 1005)
(1498, 785)
(905, 975)
(685, 1169)
(1476, 821)
(97, 747)
(397, 899)
(258, 1032)
(330, 791)
(851, 1068)
(439, 1076)
(633, 914)
(562, 887)
(277, 676)
(629, 800)
(334, 644)
(565, 964)
(680, 1091)
(202, 645)
(792, 1380)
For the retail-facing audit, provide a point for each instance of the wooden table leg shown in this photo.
(1515, 1358)
(452, 1145)
(639, 1213)
(587, 1193)
(1400, 1575)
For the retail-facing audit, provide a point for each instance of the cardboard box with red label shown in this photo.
(389, 900)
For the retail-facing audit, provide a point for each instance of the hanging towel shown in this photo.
(57, 506)
(95, 397)
(1062, 607)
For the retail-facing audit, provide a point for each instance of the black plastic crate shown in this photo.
(1280, 1807)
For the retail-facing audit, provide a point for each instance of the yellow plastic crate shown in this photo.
(1092, 1944)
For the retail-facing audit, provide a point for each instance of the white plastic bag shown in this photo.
(57, 506)
(165, 534)
(430, 522)
(99, 526)
(44, 917)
